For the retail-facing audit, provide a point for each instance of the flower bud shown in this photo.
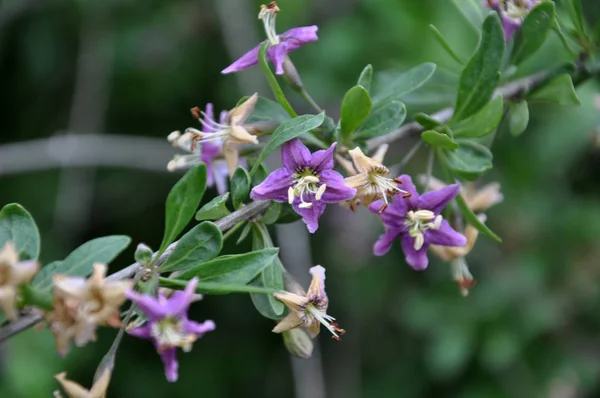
(298, 343)
(143, 254)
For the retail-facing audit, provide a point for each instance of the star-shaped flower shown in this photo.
(417, 221)
(308, 310)
(307, 181)
(13, 273)
(280, 45)
(202, 152)
(168, 325)
(230, 132)
(80, 305)
(369, 177)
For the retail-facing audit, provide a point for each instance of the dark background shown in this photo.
(530, 327)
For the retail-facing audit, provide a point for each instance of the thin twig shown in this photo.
(251, 210)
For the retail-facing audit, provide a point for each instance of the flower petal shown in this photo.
(417, 259)
(291, 321)
(277, 54)
(407, 185)
(294, 155)
(274, 187)
(437, 200)
(336, 190)
(384, 243)
(143, 332)
(297, 37)
(317, 284)
(394, 215)
(209, 118)
(180, 301)
(323, 160)
(220, 175)
(199, 329)
(310, 215)
(169, 359)
(151, 306)
(245, 61)
(445, 236)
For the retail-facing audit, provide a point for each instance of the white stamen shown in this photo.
(322, 318)
(419, 241)
(305, 205)
(174, 136)
(291, 195)
(320, 191)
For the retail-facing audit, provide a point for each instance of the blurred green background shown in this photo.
(531, 326)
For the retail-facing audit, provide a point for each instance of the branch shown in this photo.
(85, 150)
(510, 91)
(245, 213)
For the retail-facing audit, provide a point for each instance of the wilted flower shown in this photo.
(477, 199)
(307, 181)
(75, 390)
(229, 133)
(280, 45)
(308, 310)
(417, 221)
(512, 13)
(168, 325)
(13, 273)
(298, 343)
(369, 177)
(202, 151)
(80, 305)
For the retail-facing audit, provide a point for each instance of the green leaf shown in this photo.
(439, 140)
(236, 269)
(288, 215)
(356, 107)
(261, 173)
(214, 287)
(240, 186)
(518, 118)
(271, 277)
(18, 227)
(382, 121)
(182, 202)
(438, 35)
(244, 234)
(404, 83)
(480, 77)
(272, 213)
(286, 131)
(266, 110)
(427, 121)
(214, 209)
(365, 77)
(81, 260)
(559, 90)
(533, 31)
(470, 160)
(471, 10)
(201, 244)
(472, 219)
(483, 122)
(277, 91)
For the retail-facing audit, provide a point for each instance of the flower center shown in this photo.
(385, 187)
(169, 333)
(306, 182)
(267, 14)
(515, 8)
(312, 311)
(420, 221)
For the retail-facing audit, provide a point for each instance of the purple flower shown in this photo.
(280, 44)
(512, 13)
(416, 220)
(306, 181)
(168, 325)
(207, 149)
